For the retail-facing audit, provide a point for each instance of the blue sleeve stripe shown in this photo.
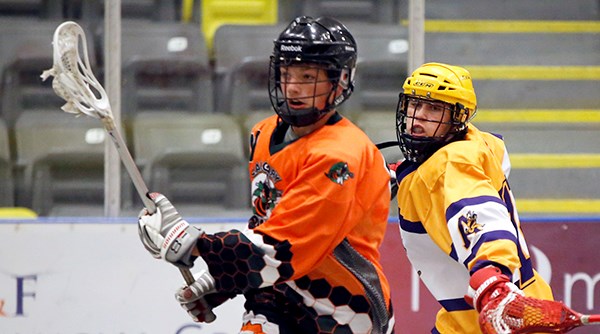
(405, 168)
(455, 207)
(457, 304)
(453, 254)
(487, 237)
(482, 264)
(412, 227)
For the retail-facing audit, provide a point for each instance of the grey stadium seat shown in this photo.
(247, 87)
(61, 157)
(194, 158)
(165, 67)
(382, 66)
(377, 86)
(39, 9)
(241, 55)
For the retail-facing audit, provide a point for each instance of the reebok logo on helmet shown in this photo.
(293, 48)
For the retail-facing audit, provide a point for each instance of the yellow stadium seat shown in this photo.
(17, 213)
(246, 12)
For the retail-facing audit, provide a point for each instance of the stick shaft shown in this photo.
(130, 166)
(590, 319)
(187, 275)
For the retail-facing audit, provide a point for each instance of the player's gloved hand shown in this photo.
(488, 287)
(166, 235)
(200, 298)
(392, 167)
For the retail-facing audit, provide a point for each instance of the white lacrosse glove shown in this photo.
(166, 235)
(200, 298)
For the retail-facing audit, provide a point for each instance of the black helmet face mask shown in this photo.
(302, 92)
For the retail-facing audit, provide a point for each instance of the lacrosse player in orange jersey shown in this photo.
(309, 260)
(458, 219)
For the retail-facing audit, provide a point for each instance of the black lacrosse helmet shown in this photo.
(322, 41)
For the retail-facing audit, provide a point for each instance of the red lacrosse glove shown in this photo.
(489, 284)
(392, 167)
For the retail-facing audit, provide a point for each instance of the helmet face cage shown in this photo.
(419, 148)
(282, 104)
(321, 42)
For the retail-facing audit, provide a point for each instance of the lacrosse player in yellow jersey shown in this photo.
(457, 215)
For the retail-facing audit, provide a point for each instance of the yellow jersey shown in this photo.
(457, 214)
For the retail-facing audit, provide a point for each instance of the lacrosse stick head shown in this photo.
(528, 315)
(74, 80)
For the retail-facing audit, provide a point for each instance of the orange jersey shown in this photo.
(322, 202)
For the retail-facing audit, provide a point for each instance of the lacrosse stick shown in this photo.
(75, 83)
(521, 315)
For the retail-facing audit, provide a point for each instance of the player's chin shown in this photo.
(299, 108)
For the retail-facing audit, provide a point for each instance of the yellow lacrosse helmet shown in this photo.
(435, 82)
(443, 82)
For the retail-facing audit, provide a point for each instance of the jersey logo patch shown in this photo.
(265, 197)
(468, 226)
(265, 194)
(339, 173)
